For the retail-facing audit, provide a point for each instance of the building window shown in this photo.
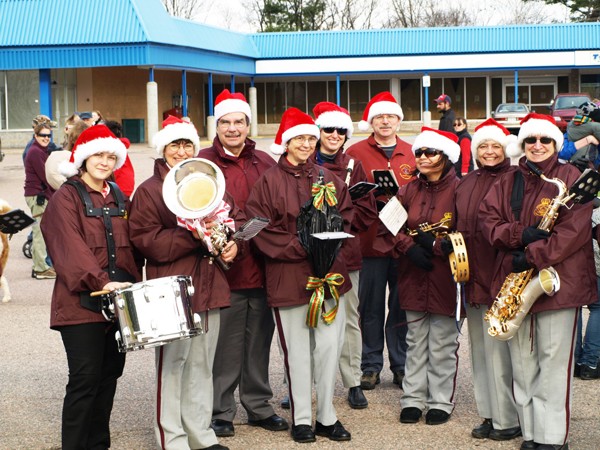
(19, 94)
(410, 99)
(591, 85)
(475, 98)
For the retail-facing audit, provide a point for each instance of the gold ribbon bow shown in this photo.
(315, 304)
(323, 192)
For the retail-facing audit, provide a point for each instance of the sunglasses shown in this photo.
(428, 152)
(457, 124)
(330, 130)
(45, 135)
(532, 140)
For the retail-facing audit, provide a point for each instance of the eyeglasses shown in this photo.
(532, 140)
(428, 152)
(457, 124)
(175, 146)
(330, 130)
(45, 135)
(387, 117)
(238, 124)
(302, 139)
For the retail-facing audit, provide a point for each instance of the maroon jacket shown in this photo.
(35, 171)
(469, 195)
(240, 175)
(79, 252)
(172, 250)
(365, 210)
(372, 157)
(433, 292)
(278, 195)
(568, 249)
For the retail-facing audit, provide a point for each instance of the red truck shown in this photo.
(564, 107)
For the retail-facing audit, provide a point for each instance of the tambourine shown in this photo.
(459, 262)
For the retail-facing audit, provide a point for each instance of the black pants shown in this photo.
(94, 366)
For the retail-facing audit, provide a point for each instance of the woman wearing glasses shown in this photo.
(542, 349)
(311, 349)
(425, 279)
(37, 194)
(335, 127)
(464, 165)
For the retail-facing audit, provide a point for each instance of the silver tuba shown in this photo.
(194, 189)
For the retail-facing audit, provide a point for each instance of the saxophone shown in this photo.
(520, 290)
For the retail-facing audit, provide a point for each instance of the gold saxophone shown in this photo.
(520, 290)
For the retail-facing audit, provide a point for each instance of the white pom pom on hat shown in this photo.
(293, 123)
(92, 140)
(382, 103)
(174, 129)
(329, 114)
(439, 140)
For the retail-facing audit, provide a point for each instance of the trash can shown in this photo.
(133, 129)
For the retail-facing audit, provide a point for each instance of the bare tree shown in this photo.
(516, 12)
(427, 13)
(189, 9)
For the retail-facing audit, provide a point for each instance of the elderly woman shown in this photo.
(426, 280)
(79, 240)
(490, 359)
(542, 349)
(311, 348)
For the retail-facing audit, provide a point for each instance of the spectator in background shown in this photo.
(464, 165)
(125, 175)
(71, 120)
(443, 106)
(53, 174)
(38, 120)
(97, 117)
(88, 118)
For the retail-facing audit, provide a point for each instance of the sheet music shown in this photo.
(393, 215)
(327, 235)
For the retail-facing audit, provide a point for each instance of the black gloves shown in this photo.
(420, 257)
(447, 247)
(532, 234)
(425, 239)
(519, 262)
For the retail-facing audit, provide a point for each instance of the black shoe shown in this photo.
(216, 447)
(335, 432)
(577, 371)
(410, 415)
(482, 431)
(369, 379)
(398, 378)
(506, 434)
(285, 402)
(553, 447)
(528, 445)
(588, 373)
(436, 417)
(222, 428)
(272, 423)
(303, 433)
(356, 398)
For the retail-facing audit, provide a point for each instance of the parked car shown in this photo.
(510, 115)
(564, 107)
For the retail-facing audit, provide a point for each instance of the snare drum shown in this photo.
(154, 313)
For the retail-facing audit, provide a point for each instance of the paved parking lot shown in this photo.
(33, 377)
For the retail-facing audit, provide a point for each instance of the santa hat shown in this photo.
(226, 103)
(329, 114)
(534, 124)
(174, 129)
(93, 140)
(439, 140)
(490, 130)
(293, 123)
(382, 103)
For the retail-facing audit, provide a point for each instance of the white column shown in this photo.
(211, 128)
(253, 111)
(152, 109)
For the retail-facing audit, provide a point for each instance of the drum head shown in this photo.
(194, 188)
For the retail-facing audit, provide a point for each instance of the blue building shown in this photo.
(133, 62)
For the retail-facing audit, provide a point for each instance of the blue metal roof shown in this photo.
(73, 33)
(424, 41)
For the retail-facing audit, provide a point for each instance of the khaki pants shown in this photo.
(38, 248)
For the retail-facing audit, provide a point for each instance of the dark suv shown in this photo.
(564, 107)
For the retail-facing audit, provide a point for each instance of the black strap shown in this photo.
(516, 198)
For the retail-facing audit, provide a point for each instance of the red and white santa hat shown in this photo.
(92, 140)
(439, 140)
(293, 123)
(330, 115)
(226, 103)
(491, 130)
(174, 129)
(382, 103)
(534, 124)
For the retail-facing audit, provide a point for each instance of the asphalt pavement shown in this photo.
(33, 375)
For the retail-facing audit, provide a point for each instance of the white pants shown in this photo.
(351, 356)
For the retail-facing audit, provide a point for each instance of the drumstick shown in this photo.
(99, 293)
